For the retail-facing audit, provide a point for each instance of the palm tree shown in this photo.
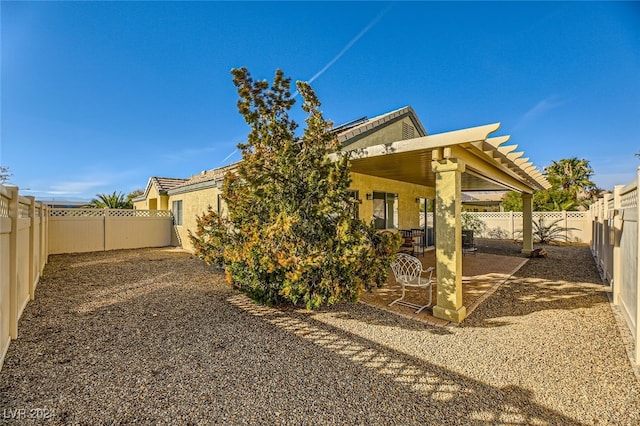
(571, 175)
(112, 201)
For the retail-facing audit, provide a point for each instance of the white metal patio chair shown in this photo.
(408, 272)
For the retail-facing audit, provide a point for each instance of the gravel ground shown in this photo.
(154, 336)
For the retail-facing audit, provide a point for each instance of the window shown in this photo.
(385, 210)
(176, 209)
(221, 207)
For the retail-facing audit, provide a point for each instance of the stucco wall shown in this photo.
(408, 209)
(154, 201)
(194, 204)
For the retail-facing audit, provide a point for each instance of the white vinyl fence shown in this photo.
(615, 247)
(83, 230)
(576, 226)
(30, 231)
(23, 254)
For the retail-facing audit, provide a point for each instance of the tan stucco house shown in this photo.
(397, 171)
(483, 201)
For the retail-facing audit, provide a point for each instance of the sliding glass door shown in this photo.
(385, 210)
(427, 220)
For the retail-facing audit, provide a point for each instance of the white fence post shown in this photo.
(32, 247)
(105, 224)
(617, 233)
(13, 261)
(512, 230)
(44, 236)
(637, 330)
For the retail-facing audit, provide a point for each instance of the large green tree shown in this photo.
(290, 234)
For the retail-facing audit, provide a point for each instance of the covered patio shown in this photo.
(452, 162)
(482, 275)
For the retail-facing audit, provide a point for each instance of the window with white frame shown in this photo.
(176, 209)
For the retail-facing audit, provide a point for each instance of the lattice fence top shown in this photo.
(518, 215)
(629, 200)
(577, 215)
(549, 215)
(4, 207)
(56, 212)
(493, 215)
(138, 213)
(23, 211)
(59, 212)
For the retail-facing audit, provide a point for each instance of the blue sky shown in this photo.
(97, 97)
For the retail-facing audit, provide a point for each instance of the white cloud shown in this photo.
(539, 109)
(83, 185)
(76, 187)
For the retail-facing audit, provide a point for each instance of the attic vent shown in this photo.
(408, 131)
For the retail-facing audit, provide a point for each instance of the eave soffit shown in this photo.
(475, 141)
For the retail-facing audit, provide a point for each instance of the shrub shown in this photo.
(290, 236)
(472, 223)
(544, 232)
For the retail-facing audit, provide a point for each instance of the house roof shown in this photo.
(205, 178)
(162, 185)
(165, 184)
(480, 197)
(346, 132)
(365, 126)
(490, 165)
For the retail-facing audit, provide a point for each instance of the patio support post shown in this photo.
(527, 223)
(448, 230)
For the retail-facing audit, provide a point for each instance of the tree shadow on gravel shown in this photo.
(444, 397)
(188, 349)
(373, 315)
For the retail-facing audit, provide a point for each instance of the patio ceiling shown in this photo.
(490, 165)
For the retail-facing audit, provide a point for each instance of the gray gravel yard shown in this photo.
(154, 336)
